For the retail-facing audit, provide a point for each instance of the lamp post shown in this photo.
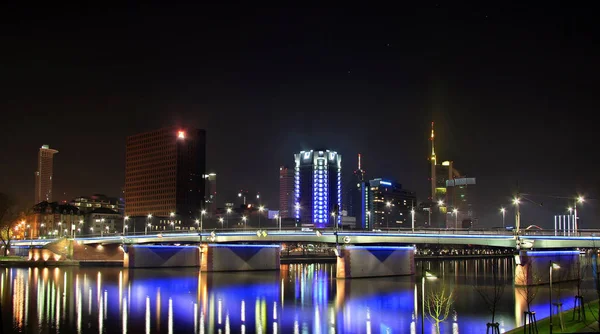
(260, 210)
(335, 221)
(278, 220)
(60, 228)
(221, 221)
(455, 212)
(503, 211)
(202, 213)
(73, 230)
(428, 275)
(516, 202)
(242, 195)
(387, 220)
(229, 212)
(552, 266)
(412, 218)
(91, 230)
(125, 219)
(172, 216)
(148, 223)
(102, 228)
(244, 221)
(579, 199)
(42, 225)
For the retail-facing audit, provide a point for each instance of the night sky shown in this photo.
(513, 92)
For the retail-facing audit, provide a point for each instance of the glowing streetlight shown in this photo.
(244, 221)
(440, 203)
(221, 221)
(516, 202)
(148, 224)
(202, 213)
(260, 210)
(412, 218)
(455, 212)
(387, 219)
(229, 212)
(579, 199)
(503, 211)
(125, 219)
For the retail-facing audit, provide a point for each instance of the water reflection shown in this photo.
(298, 299)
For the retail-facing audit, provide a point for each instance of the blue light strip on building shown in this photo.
(385, 183)
(381, 247)
(243, 246)
(534, 253)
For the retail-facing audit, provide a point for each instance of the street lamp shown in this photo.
(455, 212)
(91, 230)
(202, 213)
(260, 210)
(412, 216)
(173, 225)
(334, 220)
(387, 220)
(503, 211)
(60, 227)
(229, 211)
(278, 220)
(516, 202)
(30, 234)
(172, 215)
(42, 225)
(579, 199)
(552, 266)
(102, 228)
(242, 195)
(149, 224)
(424, 274)
(244, 221)
(125, 219)
(221, 221)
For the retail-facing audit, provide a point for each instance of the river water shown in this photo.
(301, 298)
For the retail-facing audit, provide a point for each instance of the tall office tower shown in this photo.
(391, 204)
(354, 195)
(164, 172)
(43, 175)
(210, 197)
(286, 192)
(433, 162)
(461, 196)
(317, 187)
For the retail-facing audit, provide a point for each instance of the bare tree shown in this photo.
(7, 218)
(438, 304)
(492, 296)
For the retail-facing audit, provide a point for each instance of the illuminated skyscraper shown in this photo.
(164, 172)
(210, 197)
(286, 192)
(43, 175)
(317, 187)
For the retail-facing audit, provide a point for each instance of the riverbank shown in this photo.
(571, 326)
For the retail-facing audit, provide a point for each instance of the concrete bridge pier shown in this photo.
(153, 256)
(533, 267)
(236, 257)
(375, 261)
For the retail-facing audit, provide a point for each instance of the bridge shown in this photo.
(491, 238)
(359, 253)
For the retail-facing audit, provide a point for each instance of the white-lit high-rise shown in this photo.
(44, 174)
(317, 187)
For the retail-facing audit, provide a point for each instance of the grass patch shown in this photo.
(571, 326)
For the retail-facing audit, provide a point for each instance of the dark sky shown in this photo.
(513, 92)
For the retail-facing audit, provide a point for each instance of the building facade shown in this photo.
(54, 219)
(317, 188)
(461, 195)
(391, 204)
(44, 174)
(210, 197)
(164, 174)
(286, 192)
(87, 204)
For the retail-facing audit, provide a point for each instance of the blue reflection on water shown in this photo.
(298, 299)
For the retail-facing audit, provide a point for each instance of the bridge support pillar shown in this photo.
(152, 256)
(533, 267)
(235, 257)
(375, 261)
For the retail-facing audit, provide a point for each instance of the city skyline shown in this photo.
(350, 81)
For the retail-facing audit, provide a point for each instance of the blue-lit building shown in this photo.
(317, 187)
(390, 204)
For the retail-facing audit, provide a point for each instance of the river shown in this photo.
(300, 298)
